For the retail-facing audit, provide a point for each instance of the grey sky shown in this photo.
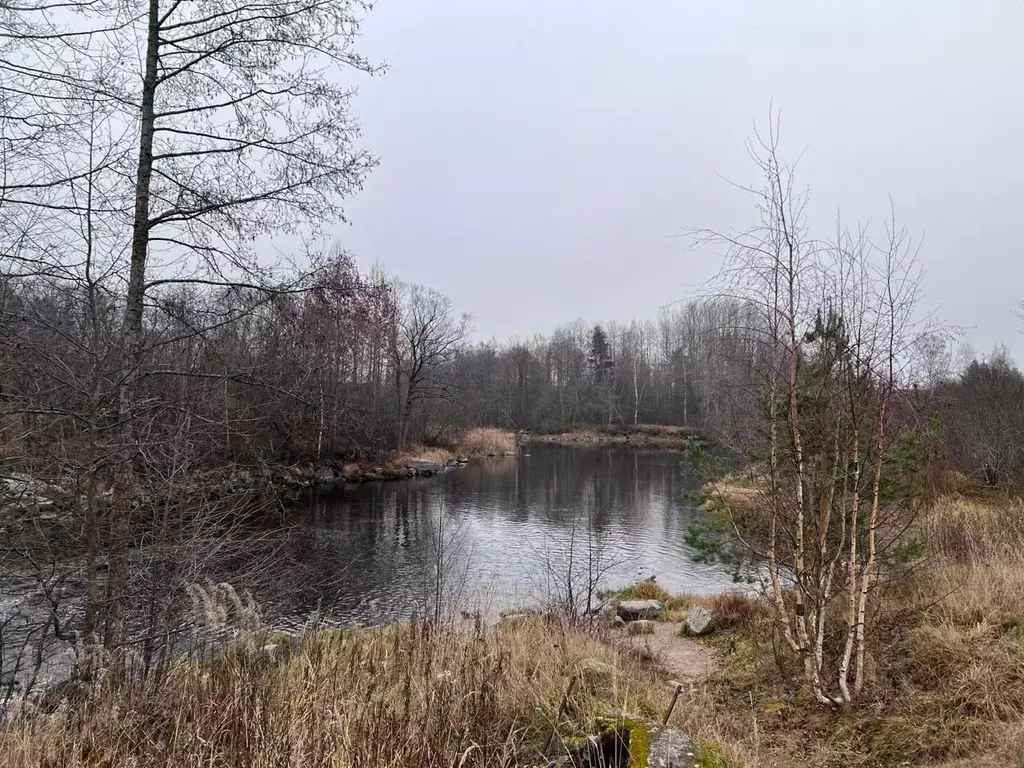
(537, 158)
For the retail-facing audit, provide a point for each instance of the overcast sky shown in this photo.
(540, 158)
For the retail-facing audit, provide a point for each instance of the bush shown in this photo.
(737, 610)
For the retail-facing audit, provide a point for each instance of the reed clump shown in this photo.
(407, 696)
(486, 441)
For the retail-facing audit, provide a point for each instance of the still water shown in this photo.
(502, 533)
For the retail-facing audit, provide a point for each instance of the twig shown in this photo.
(561, 711)
(675, 698)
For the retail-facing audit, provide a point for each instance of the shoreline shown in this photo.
(518, 672)
(653, 436)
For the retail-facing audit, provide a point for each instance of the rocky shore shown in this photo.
(652, 436)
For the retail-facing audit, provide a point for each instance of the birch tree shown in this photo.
(837, 329)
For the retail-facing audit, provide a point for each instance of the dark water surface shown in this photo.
(506, 532)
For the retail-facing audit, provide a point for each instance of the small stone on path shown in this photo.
(639, 609)
(641, 627)
(699, 621)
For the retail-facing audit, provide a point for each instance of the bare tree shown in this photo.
(985, 419)
(428, 336)
(136, 203)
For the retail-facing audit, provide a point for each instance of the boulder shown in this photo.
(631, 610)
(640, 627)
(424, 467)
(699, 621)
(670, 748)
(618, 622)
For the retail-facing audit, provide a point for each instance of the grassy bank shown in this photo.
(412, 696)
(946, 662)
(475, 443)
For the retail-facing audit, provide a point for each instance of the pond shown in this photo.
(493, 536)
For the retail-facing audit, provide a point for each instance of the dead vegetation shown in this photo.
(407, 695)
(475, 443)
(486, 441)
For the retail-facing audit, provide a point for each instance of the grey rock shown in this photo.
(423, 467)
(272, 651)
(618, 622)
(640, 627)
(699, 621)
(631, 610)
(670, 748)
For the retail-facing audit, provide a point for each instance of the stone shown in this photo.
(670, 748)
(699, 621)
(326, 475)
(631, 610)
(618, 622)
(424, 467)
(640, 627)
(271, 651)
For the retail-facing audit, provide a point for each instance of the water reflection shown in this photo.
(505, 532)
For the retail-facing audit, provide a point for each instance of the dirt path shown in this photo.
(683, 660)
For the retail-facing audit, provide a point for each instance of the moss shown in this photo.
(712, 755)
(639, 737)
(639, 590)
(772, 707)
(639, 744)
(572, 743)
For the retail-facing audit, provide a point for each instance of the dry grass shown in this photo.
(738, 611)
(420, 453)
(644, 590)
(486, 441)
(409, 696)
(970, 530)
(946, 664)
